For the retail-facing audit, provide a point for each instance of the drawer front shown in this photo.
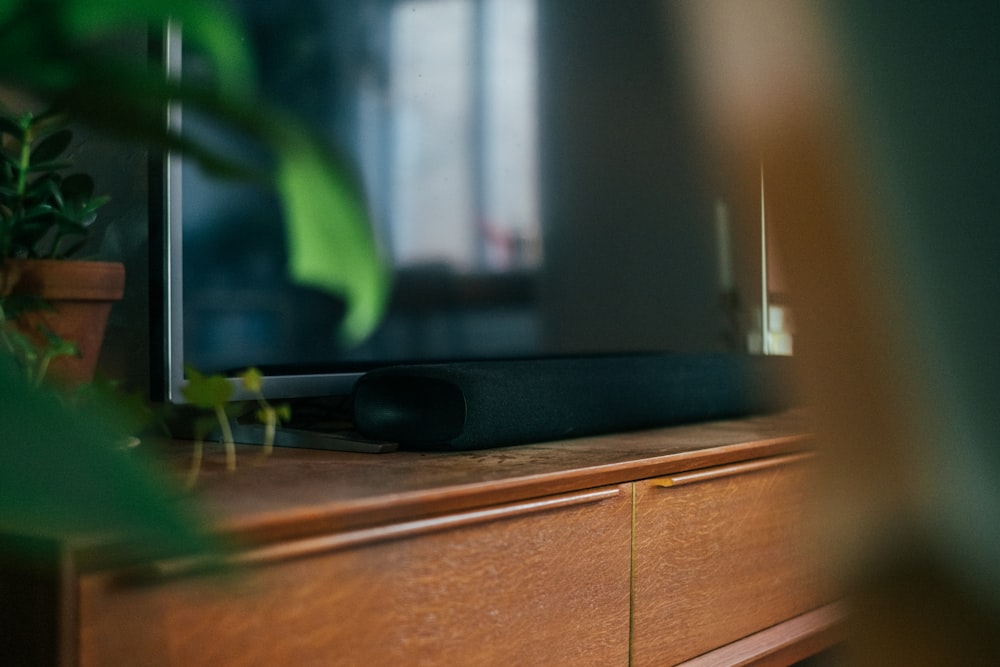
(719, 555)
(529, 583)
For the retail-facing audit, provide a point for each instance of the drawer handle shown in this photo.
(326, 543)
(718, 472)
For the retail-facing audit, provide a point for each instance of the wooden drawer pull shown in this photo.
(326, 543)
(718, 472)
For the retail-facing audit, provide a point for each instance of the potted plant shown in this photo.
(58, 471)
(53, 308)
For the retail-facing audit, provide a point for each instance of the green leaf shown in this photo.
(206, 391)
(49, 122)
(42, 210)
(51, 147)
(136, 414)
(327, 223)
(252, 379)
(329, 237)
(70, 251)
(22, 347)
(48, 186)
(207, 26)
(52, 165)
(96, 203)
(62, 474)
(59, 346)
(16, 304)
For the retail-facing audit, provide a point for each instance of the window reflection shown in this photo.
(449, 133)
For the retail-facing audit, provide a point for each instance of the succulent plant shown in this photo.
(45, 212)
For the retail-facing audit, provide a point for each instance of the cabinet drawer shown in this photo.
(720, 554)
(526, 583)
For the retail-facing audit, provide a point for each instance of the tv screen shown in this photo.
(531, 174)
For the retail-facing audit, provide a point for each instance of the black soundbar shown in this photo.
(478, 405)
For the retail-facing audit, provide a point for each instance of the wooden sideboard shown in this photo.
(655, 548)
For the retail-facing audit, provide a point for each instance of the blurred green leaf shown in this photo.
(61, 474)
(53, 46)
(59, 346)
(206, 391)
(329, 238)
(58, 470)
(253, 380)
(52, 165)
(51, 147)
(207, 26)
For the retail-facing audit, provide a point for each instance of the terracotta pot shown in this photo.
(80, 293)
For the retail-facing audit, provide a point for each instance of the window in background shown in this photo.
(448, 132)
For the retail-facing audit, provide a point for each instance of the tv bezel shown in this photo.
(166, 264)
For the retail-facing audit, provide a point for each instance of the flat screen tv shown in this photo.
(533, 180)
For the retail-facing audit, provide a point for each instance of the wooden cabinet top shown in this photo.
(300, 492)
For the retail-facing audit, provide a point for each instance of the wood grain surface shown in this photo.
(683, 541)
(299, 492)
(720, 559)
(546, 586)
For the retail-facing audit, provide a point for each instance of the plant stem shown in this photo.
(269, 430)
(227, 438)
(43, 368)
(196, 456)
(4, 338)
(270, 419)
(24, 163)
